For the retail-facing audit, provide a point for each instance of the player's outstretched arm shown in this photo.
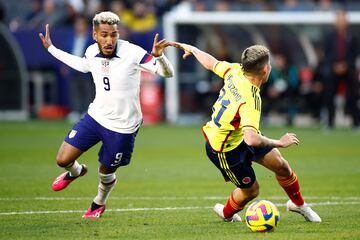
(46, 40)
(252, 138)
(165, 68)
(72, 61)
(205, 59)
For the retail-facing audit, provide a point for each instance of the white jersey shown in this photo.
(117, 81)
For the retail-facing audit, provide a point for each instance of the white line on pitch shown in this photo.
(173, 198)
(108, 210)
(157, 209)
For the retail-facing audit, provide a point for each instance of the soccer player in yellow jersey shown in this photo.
(233, 138)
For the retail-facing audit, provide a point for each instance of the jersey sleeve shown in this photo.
(222, 68)
(143, 59)
(249, 116)
(148, 63)
(75, 62)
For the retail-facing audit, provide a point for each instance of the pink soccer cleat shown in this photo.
(96, 213)
(65, 179)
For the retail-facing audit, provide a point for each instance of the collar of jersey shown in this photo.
(113, 55)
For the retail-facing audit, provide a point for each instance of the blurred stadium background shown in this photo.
(35, 85)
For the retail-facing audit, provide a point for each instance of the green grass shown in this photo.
(169, 168)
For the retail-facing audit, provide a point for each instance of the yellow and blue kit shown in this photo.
(237, 107)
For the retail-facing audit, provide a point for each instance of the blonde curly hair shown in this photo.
(105, 18)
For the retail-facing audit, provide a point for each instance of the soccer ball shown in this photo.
(262, 216)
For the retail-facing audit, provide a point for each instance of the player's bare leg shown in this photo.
(66, 158)
(106, 184)
(236, 202)
(288, 180)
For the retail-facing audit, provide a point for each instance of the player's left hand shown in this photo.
(289, 139)
(159, 46)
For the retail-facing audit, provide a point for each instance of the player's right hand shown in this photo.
(289, 139)
(186, 47)
(46, 40)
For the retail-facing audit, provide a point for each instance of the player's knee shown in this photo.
(251, 192)
(284, 168)
(254, 191)
(67, 154)
(252, 195)
(61, 161)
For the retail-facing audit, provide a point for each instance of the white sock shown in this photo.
(74, 169)
(106, 184)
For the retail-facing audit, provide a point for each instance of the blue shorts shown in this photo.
(235, 165)
(116, 149)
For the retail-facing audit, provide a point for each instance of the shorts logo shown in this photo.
(72, 133)
(246, 180)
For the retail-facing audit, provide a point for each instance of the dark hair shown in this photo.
(254, 58)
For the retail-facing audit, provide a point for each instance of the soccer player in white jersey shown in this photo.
(114, 116)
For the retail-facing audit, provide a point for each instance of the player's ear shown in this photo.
(264, 70)
(95, 36)
(267, 68)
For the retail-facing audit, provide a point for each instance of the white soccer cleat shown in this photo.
(305, 210)
(218, 209)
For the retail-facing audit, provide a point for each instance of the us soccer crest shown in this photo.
(105, 65)
(72, 133)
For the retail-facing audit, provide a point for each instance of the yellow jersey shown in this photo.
(237, 107)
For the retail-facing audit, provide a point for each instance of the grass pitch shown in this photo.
(170, 186)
